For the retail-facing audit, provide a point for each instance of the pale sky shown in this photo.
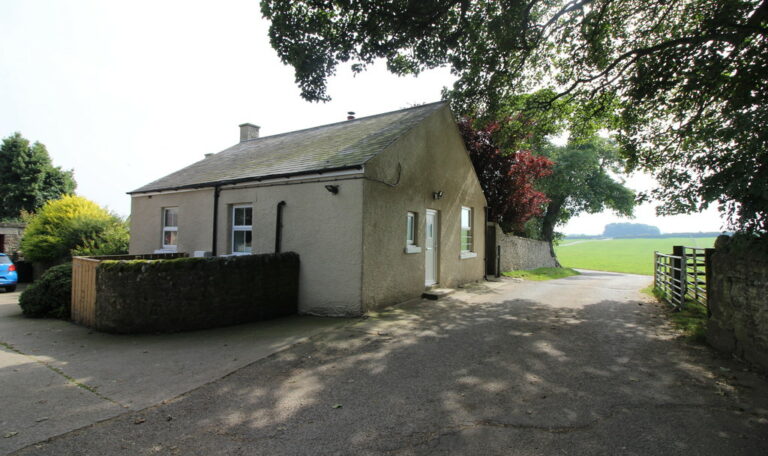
(127, 92)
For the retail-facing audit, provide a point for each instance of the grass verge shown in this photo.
(692, 321)
(541, 274)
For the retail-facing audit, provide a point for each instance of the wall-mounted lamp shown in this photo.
(332, 188)
(437, 195)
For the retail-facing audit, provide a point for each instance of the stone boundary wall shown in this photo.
(11, 234)
(148, 296)
(523, 253)
(738, 301)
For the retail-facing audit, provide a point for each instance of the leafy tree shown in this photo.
(526, 202)
(687, 78)
(70, 226)
(506, 176)
(581, 182)
(630, 230)
(28, 178)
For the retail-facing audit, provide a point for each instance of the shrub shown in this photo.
(73, 225)
(51, 295)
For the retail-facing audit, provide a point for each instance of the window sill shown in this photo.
(465, 255)
(412, 249)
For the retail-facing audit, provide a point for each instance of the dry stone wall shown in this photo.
(523, 253)
(738, 301)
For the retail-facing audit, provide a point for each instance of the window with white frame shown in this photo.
(411, 224)
(242, 229)
(410, 236)
(466, 230)
(170, 227)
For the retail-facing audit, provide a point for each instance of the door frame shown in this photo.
(435, 247)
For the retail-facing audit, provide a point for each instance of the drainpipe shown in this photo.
(485, 247)
(216, 192)
(279, 226)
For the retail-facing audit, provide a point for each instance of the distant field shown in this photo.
(634, 256)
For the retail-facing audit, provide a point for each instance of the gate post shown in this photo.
(708, 275)
(679, 272)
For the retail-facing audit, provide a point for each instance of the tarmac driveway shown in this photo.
(56, 376)
(583, 365)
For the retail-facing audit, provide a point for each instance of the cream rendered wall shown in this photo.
(433, 158)
(324, 229)
(195, 225)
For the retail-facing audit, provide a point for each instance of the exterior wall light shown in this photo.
(437, 195)
(332, 188)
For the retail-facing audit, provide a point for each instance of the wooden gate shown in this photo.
(682, 276)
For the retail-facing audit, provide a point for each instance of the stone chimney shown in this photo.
(248, 131)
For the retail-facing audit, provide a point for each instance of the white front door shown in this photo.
(431, 248)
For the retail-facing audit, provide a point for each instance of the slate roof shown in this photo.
(337, 146)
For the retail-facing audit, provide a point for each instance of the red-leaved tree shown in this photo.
(507, 177)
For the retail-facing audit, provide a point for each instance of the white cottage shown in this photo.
(378, 208)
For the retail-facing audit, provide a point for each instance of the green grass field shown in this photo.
(634, 256)
(541, 274)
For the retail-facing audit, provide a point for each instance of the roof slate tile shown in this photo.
(339, 145)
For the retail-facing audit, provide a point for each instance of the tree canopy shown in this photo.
(28, 178)
(630, 230)
(687, 80)
(581, 181)
(507, 177)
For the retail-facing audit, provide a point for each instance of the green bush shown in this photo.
(51, 295)
(147, 296)
(73, 225)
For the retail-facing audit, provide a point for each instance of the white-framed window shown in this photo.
(467, 232)
(170, 227)
(411, 231)
(242, 229)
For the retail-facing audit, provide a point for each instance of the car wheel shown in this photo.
(10, 289)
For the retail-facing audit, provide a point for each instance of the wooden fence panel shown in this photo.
(84, 290)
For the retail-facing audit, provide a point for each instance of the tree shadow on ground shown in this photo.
(497, 376)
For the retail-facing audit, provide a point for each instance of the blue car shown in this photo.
(8, 276)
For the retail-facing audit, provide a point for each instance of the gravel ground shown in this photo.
(582, 365)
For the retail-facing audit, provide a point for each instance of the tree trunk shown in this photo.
(548, 224)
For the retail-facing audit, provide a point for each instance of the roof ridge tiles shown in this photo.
(344, 122)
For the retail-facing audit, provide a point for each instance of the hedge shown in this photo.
(50, 295)
(194, 293)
